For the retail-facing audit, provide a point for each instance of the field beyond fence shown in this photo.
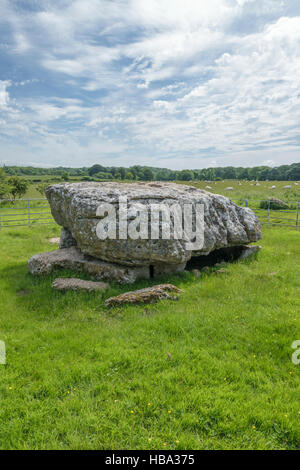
(25, 212)
(29, 212)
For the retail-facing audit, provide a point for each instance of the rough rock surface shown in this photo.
(74, 207)
(64, 284)
(248, 251)
(66, 239)
(274, 204)
(149, 295)
(73, 259)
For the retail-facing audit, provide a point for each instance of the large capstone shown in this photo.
(75, 207)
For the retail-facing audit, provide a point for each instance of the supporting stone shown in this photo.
(66, 239)
(73, 259)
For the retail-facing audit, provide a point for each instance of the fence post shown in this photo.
(297, 218)
(28, 206)
(269, 209)
(246, 202)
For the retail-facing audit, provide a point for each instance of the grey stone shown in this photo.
(148, 295)
(74, 206)
(248, 251)
(64, 284)
(66, 239)
(274, 204)
(73, 259)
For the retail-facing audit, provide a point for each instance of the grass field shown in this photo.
(241, 189)
(210, 371)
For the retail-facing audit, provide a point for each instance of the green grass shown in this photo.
(240, 192)
(210, 371)
(254, 193)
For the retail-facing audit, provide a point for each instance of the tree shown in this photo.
(96, 169)
(186, 175)
(4, 188)
(65, 176)
(148, 174)
(2, 175)
(123, 173)
(129, 175)
(17, 186)
(41, 188)
(294, 172)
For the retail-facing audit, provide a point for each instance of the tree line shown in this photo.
(143, 173)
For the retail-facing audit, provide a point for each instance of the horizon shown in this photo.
(155, 167)
(165, 83)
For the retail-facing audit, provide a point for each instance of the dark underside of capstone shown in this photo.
(223, 255)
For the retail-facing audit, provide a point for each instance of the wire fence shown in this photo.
(31, 212)
(286, 214)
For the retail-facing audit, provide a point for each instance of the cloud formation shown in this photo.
(173, 83)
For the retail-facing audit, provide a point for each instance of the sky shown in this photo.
(164, 83)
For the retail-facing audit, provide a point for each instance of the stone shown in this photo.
(74, 206)
(196, 272)
(73, 259)
(288, 186)
(274, 204)
(64, 284)
(248, 251)
(66, 239)
(147, 295)
(54, 241)
(229, 188)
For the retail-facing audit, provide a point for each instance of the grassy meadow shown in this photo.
(212, 370)
(241, 189)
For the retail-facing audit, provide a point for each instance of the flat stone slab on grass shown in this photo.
(73, 259)
(64, 284)
(148, 295)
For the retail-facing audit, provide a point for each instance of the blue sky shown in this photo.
(167, 83)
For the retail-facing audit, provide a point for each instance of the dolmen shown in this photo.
(128, 231)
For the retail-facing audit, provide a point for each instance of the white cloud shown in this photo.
(186, 82)
(4, 95)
